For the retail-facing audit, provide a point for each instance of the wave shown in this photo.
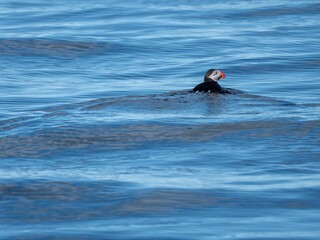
(46, 142)
(278, 11)
(133, 121)
(51, 47)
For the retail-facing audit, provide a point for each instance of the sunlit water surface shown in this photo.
(100, 137)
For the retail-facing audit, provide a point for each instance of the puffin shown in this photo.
(210, 83)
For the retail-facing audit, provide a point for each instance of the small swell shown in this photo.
(280, 11)
(50, 47)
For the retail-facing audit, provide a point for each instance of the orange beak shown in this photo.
(223, 75)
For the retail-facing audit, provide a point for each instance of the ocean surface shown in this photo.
(100, 137)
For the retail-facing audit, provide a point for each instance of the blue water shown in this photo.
(100, 137)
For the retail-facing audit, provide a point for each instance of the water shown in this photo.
(100, 138)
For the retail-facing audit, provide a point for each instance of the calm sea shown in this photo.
(100, 138)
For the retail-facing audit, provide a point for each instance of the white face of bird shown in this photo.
(217, 75)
